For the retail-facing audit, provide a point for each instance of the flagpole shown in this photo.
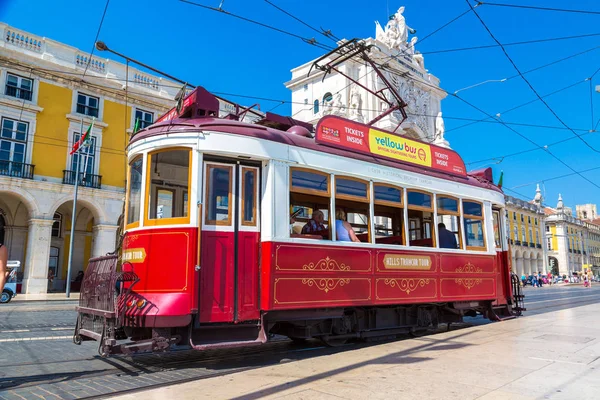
(72, 238)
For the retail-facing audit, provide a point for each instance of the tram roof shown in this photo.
(294, 137)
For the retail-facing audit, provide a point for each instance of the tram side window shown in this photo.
(168, 180)
(310, 195)
(448, 218)
(352, 203)
(134, 196)
(389, 214)
(420, 219)
(474, 227)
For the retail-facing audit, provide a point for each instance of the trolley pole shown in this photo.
(73, 216)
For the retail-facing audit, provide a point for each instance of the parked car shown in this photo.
(10, 287)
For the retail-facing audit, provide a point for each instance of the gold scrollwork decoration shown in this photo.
(326, 264)
(326, 284)
(468, 268)
(406, 284)
(468, 283)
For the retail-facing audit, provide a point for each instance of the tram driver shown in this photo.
(447, 238)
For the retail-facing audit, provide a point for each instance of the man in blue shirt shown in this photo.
(447, 238)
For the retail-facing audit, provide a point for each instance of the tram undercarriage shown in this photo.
(102, 318)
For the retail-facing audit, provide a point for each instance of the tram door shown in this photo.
(230, 239)
(502, 257)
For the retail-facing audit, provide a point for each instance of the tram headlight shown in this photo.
(140, 303)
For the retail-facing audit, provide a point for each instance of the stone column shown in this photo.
(35, 274)
(104, 238)
(519, 263)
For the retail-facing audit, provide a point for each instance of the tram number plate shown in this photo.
(396, 261)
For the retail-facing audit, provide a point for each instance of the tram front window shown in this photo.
(168, 183)
(134, 196)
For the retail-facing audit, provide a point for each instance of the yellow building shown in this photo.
(526, 229)
(45, 99)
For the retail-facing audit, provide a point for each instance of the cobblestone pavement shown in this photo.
(39, 360)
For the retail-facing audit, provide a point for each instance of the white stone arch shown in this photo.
(26, 198)
(97, 211)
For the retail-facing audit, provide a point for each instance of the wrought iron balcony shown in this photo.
(539, 246)
(517, 242)
(90, 181)
(532, 245)
(16, 169)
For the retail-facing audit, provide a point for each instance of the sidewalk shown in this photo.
(45, 297)
(547, 356)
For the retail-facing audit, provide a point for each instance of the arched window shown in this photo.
(327, 98)
(316, 107)
(57, 225)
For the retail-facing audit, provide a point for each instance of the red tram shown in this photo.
(211, 258)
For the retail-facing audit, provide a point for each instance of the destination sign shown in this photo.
(345, 134)
(397, 261)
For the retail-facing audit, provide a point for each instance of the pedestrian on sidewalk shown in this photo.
(589, 276)
(4, 272)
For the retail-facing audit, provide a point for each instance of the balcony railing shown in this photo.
(532, 245)
(16, 169)
(90, 181)
(517, 242)
(539, 246)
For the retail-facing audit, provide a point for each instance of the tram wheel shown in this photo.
(332, 341)
(77, 339)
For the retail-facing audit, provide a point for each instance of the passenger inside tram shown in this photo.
(447, 238)
(343, 229)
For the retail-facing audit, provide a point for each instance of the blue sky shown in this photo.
(228, 55)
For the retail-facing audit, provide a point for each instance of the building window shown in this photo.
(529, 219)
(547, 228)
(549, 243)
(316, 107)
(57, 225)
(306, 86)
(145, 118)
(535, 221)
(514, 216)
(530, 235)
(13, 143)
(523, 234)
(305, 101)
(87, 105)
(522, 218)
(53, 260)
(85, 158)
(19, 87)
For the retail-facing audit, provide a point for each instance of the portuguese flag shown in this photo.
(84, 140)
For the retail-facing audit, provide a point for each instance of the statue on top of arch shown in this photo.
(395, 36)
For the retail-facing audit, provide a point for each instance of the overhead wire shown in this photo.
(490, 46)
(565, 10)
(527, 81)
(521, 105)
(507, 126)
(311, 41)
(96, 39)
